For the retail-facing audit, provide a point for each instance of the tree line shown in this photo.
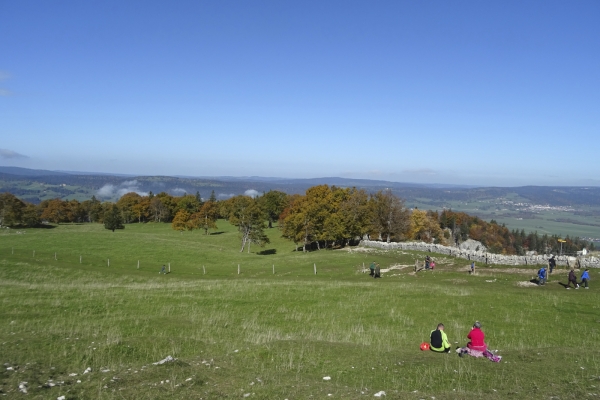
(324, 217)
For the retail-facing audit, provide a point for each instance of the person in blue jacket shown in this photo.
(585, 277)
(542, 276)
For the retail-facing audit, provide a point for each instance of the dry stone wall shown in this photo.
(485, 257)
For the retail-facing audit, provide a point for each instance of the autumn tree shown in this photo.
(206, 218)
(54, 211)
(181, 221)
(390, 218)
(424, 226)
(127, 204)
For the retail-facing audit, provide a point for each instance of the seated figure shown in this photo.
(438, 340)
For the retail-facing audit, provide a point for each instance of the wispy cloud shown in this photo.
(9, 154)
(420, 171)
(252, 193)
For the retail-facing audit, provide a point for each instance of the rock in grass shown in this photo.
(164, 360)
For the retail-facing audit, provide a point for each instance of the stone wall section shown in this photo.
(485, 257)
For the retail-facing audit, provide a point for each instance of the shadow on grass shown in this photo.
(217, 233)
(267, 252)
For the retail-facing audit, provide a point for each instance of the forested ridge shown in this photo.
(324, 217)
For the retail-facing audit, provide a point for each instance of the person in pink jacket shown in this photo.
(477, 338)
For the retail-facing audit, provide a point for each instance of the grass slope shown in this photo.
(274, 336)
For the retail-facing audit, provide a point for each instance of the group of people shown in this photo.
(476, 346)
(585, 277)
(375, 270)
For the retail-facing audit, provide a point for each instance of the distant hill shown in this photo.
(29, 172)
(36, 185)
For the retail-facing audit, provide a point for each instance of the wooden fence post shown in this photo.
(138, 267)
(273, 269)
(108, 261)
(315, 267)
(80, 259)
(169, 267)
(204, 269)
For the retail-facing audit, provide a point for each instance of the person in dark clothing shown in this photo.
(427, 262)
(372, 268)
(572, 279)
(552, 263)
(377, 271)
(439, 341)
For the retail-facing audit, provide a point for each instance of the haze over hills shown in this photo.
(548, 209)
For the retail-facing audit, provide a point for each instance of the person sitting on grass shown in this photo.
(438, 340)
(585, 277)
(477, 347)
(572, 279)
(477, 338)
(542, 276)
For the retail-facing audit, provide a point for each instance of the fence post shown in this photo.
(238, 269)
(138, 264)
(34, 254)
(204, 269)
(273, 269)
(315, 267)
(79, 259)
(55, 255)
(108, 261)
(169, 267)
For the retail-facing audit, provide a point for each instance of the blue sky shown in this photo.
(484, 93)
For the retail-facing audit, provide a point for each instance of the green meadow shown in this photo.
(73, 299)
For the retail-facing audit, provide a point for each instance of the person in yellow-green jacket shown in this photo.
(439, 341)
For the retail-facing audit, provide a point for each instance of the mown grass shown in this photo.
(274, 336)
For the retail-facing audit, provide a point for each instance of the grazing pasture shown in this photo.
(265, 335)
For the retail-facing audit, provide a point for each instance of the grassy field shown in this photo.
(275, 336)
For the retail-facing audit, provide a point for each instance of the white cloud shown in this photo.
(9, 154)
(252, 193)
(108, 190)
(225, 196)
(178, 191)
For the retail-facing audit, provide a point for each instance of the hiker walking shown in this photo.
(572, 279)
(585, 277)
(552, 263)
(542, 276)
(372, 268)
(163, 270)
